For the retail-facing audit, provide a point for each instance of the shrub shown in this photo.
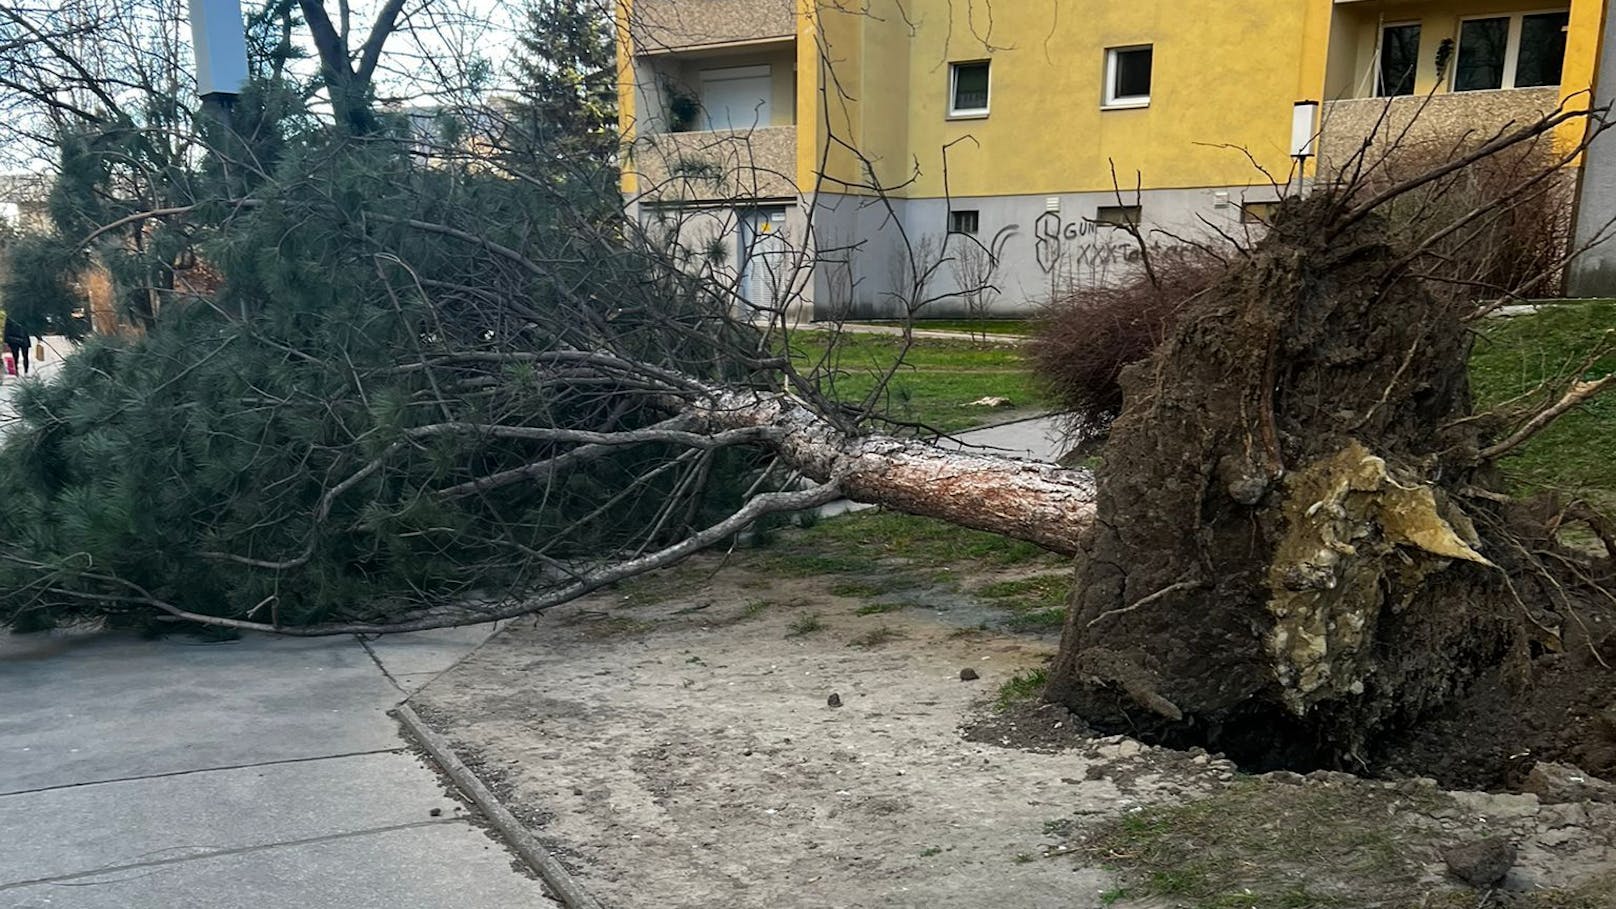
(1085, 337)
(1520, 246)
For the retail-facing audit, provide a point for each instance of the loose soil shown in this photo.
(674, 744)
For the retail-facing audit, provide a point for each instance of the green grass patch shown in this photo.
(875, 637)
(1038, 603)
(1013, 327)
(1038, 620)
(661, 586)
(935, 383)
(805, 625)
(1023, 686)
(1044, 591)
(923, 542)
(1268, 845)
(796, 563)
(873, 587)
(1514, 355)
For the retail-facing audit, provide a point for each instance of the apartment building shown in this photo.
(979, 155)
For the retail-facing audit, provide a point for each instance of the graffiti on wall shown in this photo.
(1078, 245)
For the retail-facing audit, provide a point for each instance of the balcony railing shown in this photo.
(751, 164)
(659, 25)
(1445, 118)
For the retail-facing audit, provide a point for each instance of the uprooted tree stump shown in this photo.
(1285, 561)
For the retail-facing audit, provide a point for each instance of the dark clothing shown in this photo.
(17, 340)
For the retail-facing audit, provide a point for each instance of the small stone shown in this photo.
(1483, 863)
(968, 675)
(1129, 748)
(1555, 838)
(436, 812)
(835, 700)
(1200, 760)
(1286, 778)
(1557, 783)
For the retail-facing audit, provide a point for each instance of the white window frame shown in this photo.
(1512, 47)
(1380, 53)
(967, 113)
(1108, 98)
(1137, 209)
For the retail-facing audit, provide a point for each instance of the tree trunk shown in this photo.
(1040, 503)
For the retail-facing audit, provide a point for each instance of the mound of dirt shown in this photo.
(1299, 553)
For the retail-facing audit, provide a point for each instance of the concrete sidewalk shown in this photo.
(1036, 438)
(56, 348)
(258, 774)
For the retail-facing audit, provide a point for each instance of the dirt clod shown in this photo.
(1483, 863)
(1558, 783)
(835, 700)
(968, 675)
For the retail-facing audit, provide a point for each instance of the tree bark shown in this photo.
(1039, 503)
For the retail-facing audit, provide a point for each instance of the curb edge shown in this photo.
(551, 871)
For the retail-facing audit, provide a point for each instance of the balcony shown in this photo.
(659, 26)
(717, 123)
(1447, 118)
(709, 165)
(1443, 71)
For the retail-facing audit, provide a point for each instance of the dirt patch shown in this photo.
(690, 758)
(1490, 738)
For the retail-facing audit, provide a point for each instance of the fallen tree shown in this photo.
(1300, 539)
(420, 393)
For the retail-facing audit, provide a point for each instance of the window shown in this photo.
(1399, 59)
(1542, 49)
(1520, 51)
(1127, 76)
(964, 222)
(968, 89)
(736, 97)
(1258, 212)
(1118, 215)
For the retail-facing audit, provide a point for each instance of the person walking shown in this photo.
(17, 342)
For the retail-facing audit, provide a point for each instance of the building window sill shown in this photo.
(967, 115)
(1126, 105)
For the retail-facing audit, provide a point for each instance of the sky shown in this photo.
(439, 38)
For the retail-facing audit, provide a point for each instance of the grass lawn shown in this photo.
(1513, 356)
(1015, 327)
(935, 385)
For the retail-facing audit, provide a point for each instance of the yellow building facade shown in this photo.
(851, 154)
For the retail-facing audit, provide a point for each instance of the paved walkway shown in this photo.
(55, 349)
(1038, 438)
(259, 774)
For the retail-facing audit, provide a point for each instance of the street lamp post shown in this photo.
(1304, 139)
(220, 41)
